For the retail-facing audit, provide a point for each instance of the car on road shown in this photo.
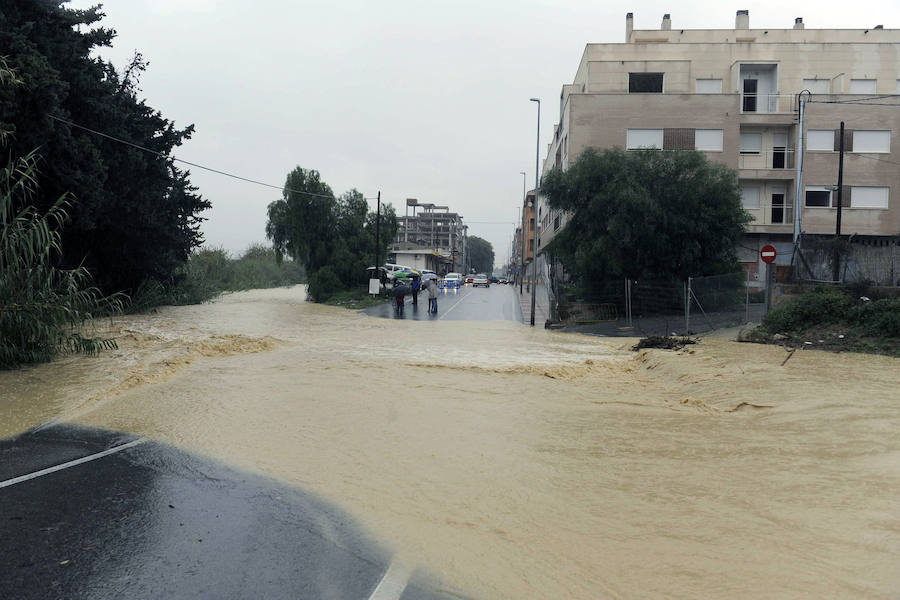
(469, 279)
(480, 279)
(451, 280)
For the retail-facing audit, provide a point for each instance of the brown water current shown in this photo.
(520, 463)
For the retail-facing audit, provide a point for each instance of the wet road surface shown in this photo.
(467, 303)
(141, 519)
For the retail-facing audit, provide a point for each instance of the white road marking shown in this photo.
(71, 463)
(458, 302)
(393, 583)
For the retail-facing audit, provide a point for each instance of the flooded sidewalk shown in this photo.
(514, 462)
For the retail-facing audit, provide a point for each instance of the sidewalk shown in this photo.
(541, 306)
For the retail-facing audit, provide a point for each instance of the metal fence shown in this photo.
(627, 307)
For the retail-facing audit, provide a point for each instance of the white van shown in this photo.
(391, 268)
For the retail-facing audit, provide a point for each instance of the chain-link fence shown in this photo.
(659, 307)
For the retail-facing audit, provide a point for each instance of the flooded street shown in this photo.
(521, 463)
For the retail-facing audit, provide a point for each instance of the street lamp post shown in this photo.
(522, 237)
(537, 157)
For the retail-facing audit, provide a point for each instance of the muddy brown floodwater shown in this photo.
(520, 463)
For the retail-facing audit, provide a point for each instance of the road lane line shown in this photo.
(71, 463)
(457, 303)
(393, 583)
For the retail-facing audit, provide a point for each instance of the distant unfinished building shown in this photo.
(430, 230)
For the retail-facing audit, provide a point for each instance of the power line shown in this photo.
(168, 157)
(876, 158)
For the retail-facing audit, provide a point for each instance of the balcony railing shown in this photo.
(777, 157)
(767, 103)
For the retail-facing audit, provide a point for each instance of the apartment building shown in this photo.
(734, 94)
(435, 237)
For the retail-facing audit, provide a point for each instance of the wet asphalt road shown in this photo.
(495, 303)
(151, 521)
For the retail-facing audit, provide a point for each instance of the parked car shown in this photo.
(480, 279)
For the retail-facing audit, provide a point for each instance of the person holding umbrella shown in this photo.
(401, 288)
(431, 286)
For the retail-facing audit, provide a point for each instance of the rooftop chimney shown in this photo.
(629, 26)
(798, 23)
(878, 27)
(666, 22)
(742, 20)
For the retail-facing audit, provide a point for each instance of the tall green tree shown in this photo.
(135, 215)
(333, 238)
(481, 255)
(646, 214)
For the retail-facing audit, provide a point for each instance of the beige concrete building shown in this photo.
(733, 94)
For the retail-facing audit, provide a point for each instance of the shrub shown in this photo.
(41, 305)
(822, 306)
(323, 284)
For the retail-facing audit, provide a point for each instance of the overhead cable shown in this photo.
(181, 160)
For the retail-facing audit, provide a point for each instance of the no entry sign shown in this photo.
(768, 253)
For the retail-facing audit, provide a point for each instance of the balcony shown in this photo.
(767, 163)
(768, 109)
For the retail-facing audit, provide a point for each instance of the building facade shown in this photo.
(434, 236)
(734, 94)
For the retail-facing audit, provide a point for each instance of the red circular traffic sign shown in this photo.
(768, 253)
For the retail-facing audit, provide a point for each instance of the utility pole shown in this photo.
(377, 232)
(798, 196)
(522, 214)
(534, 209)
(836, 261)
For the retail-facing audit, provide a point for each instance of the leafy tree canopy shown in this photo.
(646, 214)
(481, 255)
(332, 237)
(134, 215)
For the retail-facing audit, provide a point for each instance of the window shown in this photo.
(862, 86)
(869, 197)
(817, 86)
(644, 138)
(750, 88)
(871, 141)
(708, 140)
(750, 197)
(818, 196)
(709, 86)
(820, 140)
(751, 143)
(645, 83)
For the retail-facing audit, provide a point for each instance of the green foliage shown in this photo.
(824, 306)
(134, 202)
(333, 238)
(646, 215)
(833, 306)
(210, 271)
(41, 306)
(324, 283)
(481, 255)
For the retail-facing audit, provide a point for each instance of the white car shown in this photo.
(452, 280)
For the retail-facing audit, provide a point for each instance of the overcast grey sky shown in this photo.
(419, 99)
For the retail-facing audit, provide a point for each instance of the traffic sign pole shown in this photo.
(768, 253)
